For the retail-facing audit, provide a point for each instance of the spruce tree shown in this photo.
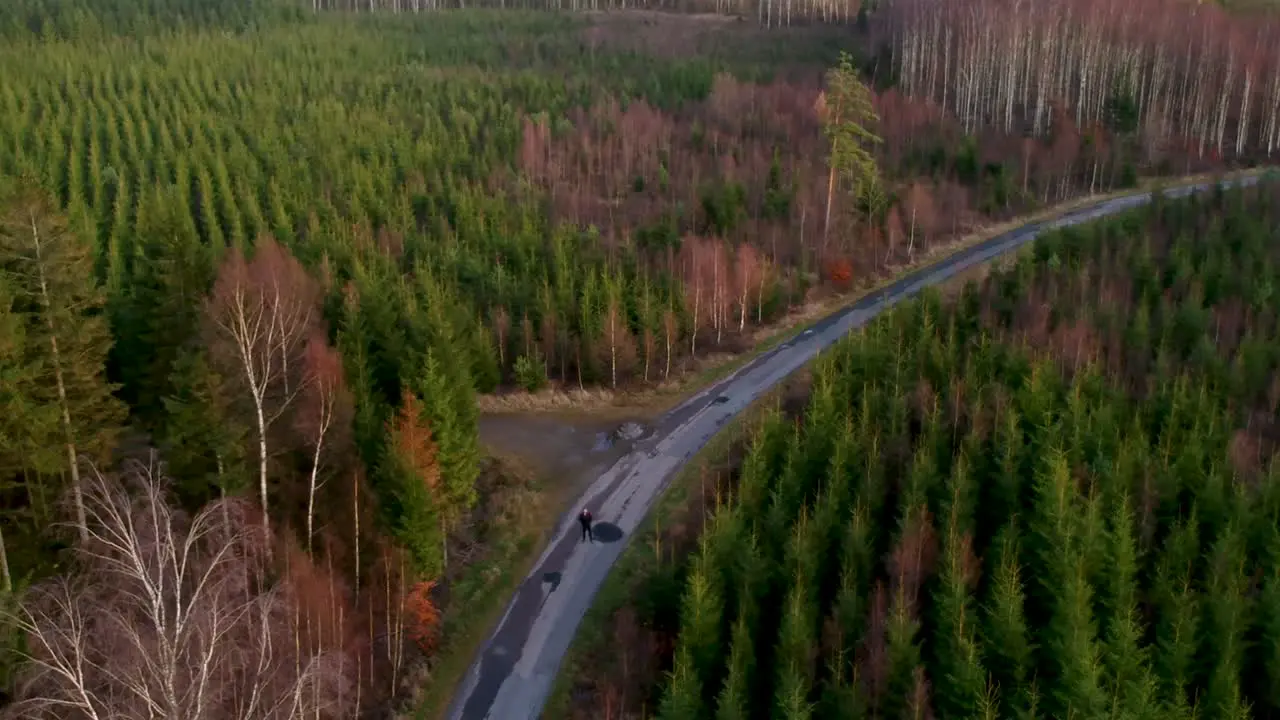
(682, 699)
(959, 678)
(1226, 619)
(1129, 681)
(1177, 626)
(48, 270)
(797, 647)
(1007, 643)
(28, 431)
(734, 700)
(701, 613)
(203, 441)
(903, 655)
(1071, 656)
(159, 314)
(454, 431)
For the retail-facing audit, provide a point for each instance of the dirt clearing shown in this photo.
(565, 449)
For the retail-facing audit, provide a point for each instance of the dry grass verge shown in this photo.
(496, 552)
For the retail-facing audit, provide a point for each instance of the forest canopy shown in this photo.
(265, 257)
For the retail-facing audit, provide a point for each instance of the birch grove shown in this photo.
(1195, 76)
(768, 13)
(170, 617)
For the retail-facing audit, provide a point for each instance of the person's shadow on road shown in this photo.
(606, 532)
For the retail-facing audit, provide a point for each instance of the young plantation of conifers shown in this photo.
(260, 259)
(1052, 496)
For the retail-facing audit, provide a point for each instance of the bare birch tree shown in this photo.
(168, 617)
(262, 311)
(324, 416)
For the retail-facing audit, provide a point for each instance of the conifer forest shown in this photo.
(1049, 495)
(261, 261)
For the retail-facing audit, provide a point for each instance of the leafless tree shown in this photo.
(262, 312)
(324, 415)
(169, 617)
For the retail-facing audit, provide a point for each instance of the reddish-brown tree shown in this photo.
(839, 273)
(921, 216)
(412, 440)
(747, 277)
(323, 418)
(423, 616)
(169, 616)
(260, 314)
(894, 232)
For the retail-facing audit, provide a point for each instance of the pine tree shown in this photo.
(1071, 656)
(856, 558)
(903, 659)
(28, 428)
(792, 701)
(1177, 617)
(1266, 664)
(454, 430)
(172, 272)
(797, 645)
(848, 117)
(202, 439)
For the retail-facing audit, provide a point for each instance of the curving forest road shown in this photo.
(514, 673)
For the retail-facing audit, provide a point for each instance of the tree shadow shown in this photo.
(606, 532)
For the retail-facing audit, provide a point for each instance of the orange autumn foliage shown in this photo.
(840, 273)
(413, 441)
(422, 616)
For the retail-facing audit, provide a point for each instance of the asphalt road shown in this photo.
(514, 673)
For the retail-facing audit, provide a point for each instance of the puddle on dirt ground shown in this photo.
(604, 441)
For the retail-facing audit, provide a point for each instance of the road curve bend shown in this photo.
(514, 673)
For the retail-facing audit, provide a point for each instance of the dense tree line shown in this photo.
(1054, 495)
(1180, 75)
(78, 19)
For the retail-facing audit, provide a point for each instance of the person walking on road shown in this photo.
(585, 518)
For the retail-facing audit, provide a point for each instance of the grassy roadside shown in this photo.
(668, 394)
